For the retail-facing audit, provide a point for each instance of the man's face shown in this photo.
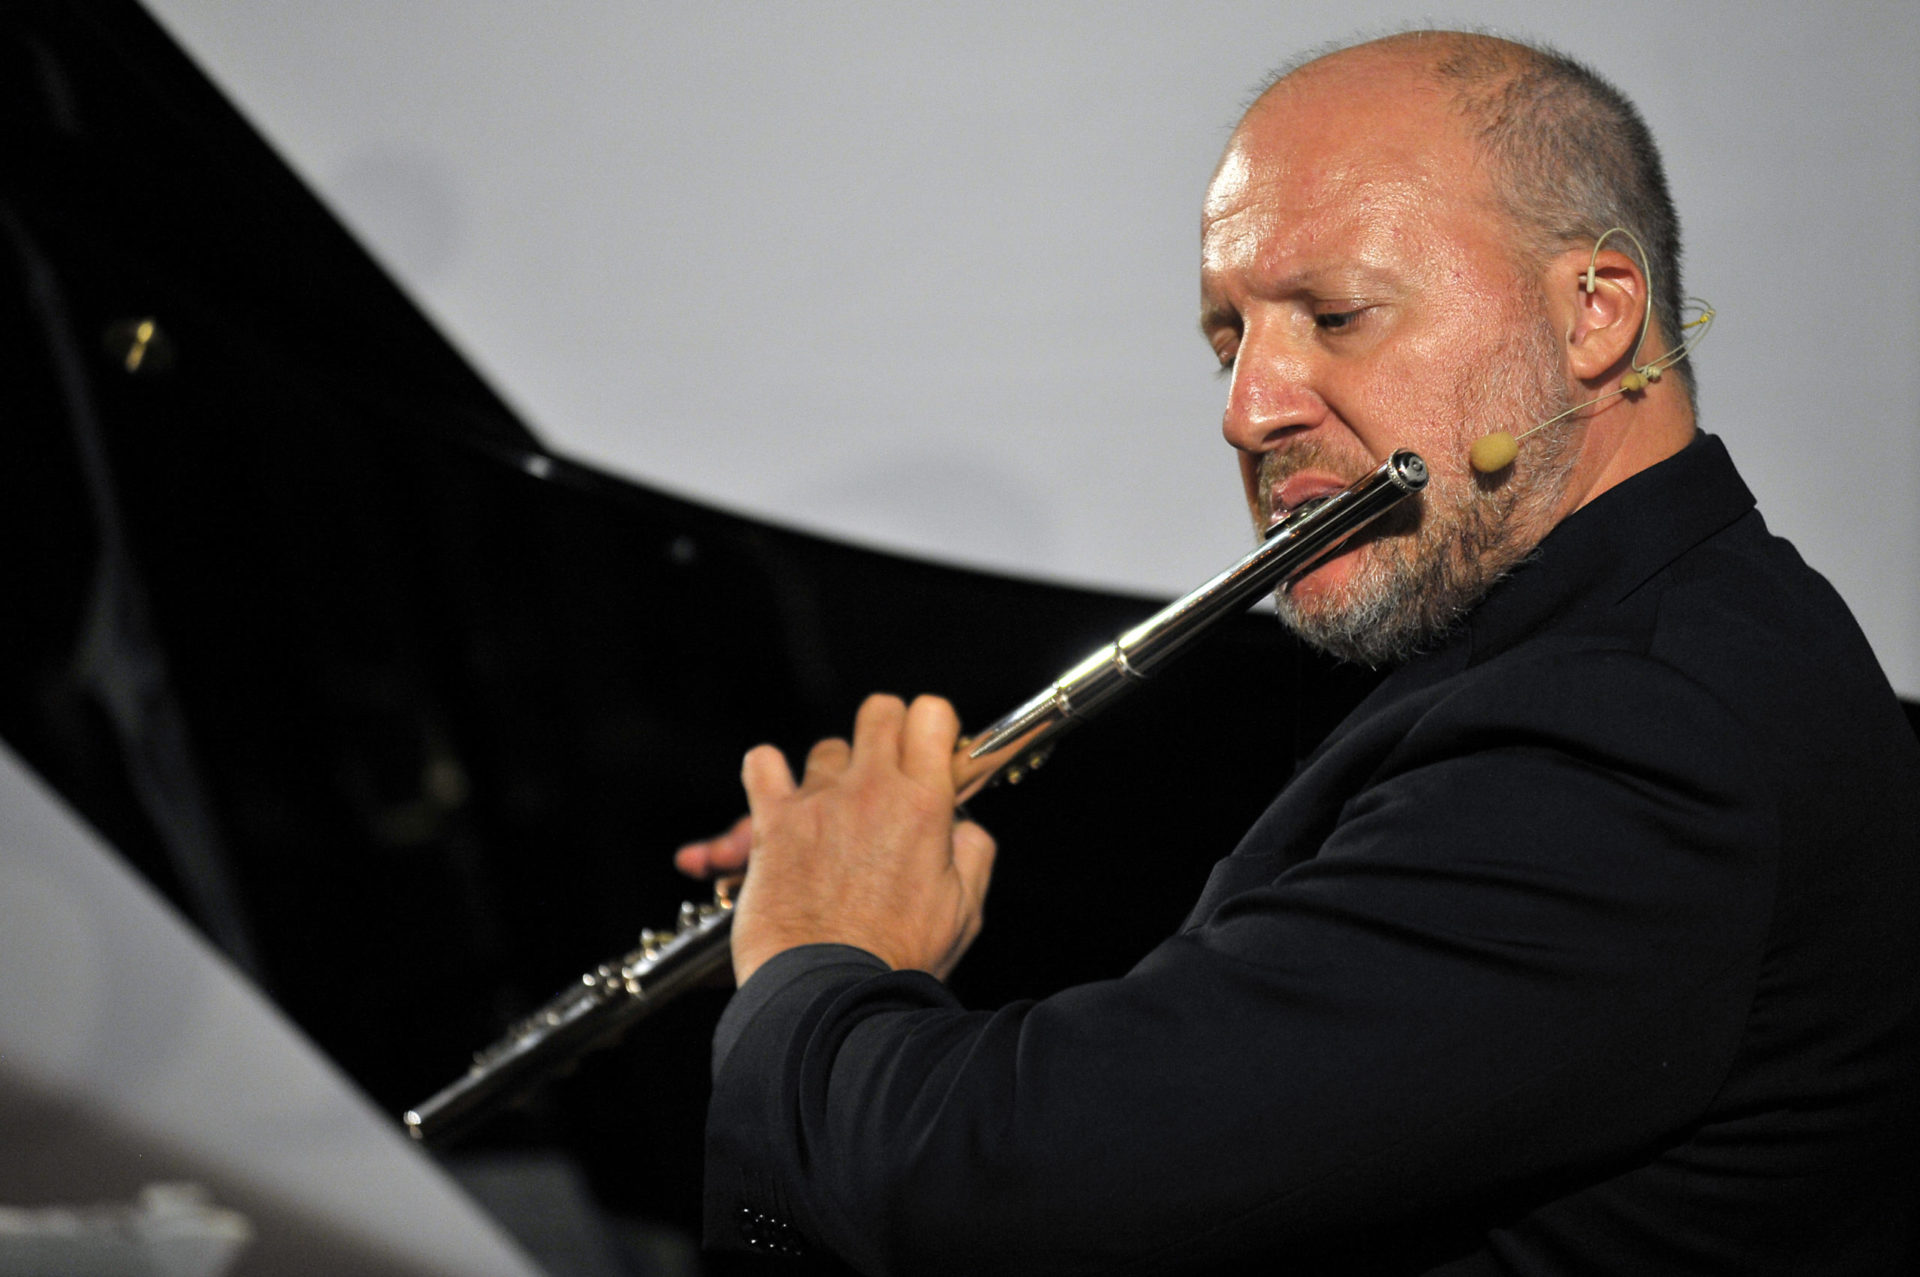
(1359, 282)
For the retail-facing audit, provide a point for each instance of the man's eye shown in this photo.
(1334, 321)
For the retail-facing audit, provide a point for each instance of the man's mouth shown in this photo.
(1286, 497)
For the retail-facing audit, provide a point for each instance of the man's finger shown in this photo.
(826, 762)
(927, 740)
(724, 854)
(876, 731)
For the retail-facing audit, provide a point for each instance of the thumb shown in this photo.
(973, 852)
(767, 778)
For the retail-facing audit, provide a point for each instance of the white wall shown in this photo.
(924, 275)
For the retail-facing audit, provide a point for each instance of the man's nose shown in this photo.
(1270, 398)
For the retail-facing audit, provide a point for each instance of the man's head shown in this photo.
(1391, 257)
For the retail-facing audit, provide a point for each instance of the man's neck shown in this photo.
(1634, 433)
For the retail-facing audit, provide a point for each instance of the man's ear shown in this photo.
(1600, 328)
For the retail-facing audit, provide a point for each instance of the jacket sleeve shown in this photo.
(1523, 956)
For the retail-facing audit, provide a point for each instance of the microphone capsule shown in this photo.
(1493, 453)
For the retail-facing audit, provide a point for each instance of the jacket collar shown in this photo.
(1610, 547)
(1593, 559)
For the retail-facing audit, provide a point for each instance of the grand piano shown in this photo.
(405, 712)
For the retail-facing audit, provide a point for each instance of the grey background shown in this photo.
(923, 276)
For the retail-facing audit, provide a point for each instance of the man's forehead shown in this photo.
(1354, 117)
(1280, 171)
(1357, 137)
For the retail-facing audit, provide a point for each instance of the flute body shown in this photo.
(618, 994)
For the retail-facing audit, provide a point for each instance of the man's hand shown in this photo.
(864, 850)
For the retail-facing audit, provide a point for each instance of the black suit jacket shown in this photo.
(1587, 944)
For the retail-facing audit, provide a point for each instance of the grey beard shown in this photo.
(1433, 565)
(1420, 598)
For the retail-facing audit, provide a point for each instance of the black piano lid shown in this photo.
(406, 712)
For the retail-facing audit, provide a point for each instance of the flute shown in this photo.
(618, 994)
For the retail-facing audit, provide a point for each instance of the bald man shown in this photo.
(1587, 944)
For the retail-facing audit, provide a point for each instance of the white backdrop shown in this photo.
(923, 276)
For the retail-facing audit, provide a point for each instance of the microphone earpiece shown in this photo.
(1493, 453)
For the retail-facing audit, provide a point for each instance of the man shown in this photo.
(1586, 944)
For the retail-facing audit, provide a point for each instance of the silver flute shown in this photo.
(618, 994)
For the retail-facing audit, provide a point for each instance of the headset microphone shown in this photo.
(1493, 453)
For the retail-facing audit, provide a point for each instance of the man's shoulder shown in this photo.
(1745, 616)
(1739, 615)
(1734, 659)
